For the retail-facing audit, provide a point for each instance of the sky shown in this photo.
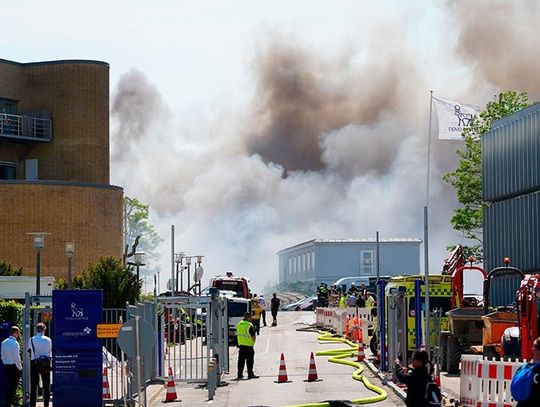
(255, 125)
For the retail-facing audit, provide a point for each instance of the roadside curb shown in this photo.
(396, 389)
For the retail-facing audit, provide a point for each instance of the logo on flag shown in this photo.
(453, 117)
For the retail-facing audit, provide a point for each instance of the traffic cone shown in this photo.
(282, 376)
(312, 375)
(106, 391)
(171, 389)
(361, 354)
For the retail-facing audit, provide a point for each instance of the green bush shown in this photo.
(7, 269)
(12, 312)
(118, 282)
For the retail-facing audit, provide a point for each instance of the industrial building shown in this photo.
(54, 165)
(511, 187)
(329, 260)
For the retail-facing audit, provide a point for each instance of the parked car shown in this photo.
(308, 305)
(294, 305)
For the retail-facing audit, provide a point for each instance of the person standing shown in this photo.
(11, 358)
(351, 300)
(39, 347)
(245, 337)
(415, 379)
(256, 312)
(534, 396)
(262, 302)
(275, 302)
(343, 301)
(360, 302)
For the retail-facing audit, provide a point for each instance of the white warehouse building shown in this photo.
(329, 260)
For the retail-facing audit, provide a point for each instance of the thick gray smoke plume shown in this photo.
(136, 108)
(500, 39)
(301, 95)
(348, 130)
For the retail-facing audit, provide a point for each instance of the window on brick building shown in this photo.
(8, 170)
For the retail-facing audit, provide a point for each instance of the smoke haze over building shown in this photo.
(331, 144)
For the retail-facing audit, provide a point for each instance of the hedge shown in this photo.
(12, 312)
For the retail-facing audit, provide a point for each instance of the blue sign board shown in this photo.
(77, 354)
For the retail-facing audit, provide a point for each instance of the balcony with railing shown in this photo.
(35, 127)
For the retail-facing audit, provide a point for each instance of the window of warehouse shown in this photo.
(367, 262)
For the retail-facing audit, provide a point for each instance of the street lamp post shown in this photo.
(138, 257)
(70, 250)
(39, 243)
(178, 259)
(188, 262)
(199, 272)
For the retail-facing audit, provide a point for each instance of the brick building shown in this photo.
(54, 165)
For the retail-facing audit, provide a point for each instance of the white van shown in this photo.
(236, 307)
(345, 282)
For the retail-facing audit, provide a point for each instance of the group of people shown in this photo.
(39, 349)
(258, 311)
(248, 329)
(336, 296)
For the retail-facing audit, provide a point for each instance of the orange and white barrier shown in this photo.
(105, 389)
(352, 322)
(486, 383)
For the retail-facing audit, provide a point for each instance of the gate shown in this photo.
(114, 360)
(37, 309)
(194, 332)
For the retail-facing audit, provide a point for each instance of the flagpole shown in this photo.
(426, 234)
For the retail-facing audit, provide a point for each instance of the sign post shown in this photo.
(77, 359)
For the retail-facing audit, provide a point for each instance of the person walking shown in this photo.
(245, 337)
(256, 312)
(275, 302)
(534, 394)
(11, 358)
(262, 302)
(416, 379)
(39, 347)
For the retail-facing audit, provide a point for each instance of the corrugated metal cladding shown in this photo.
(511, 156)
(503, 290)
(512, 228)
(329, 260)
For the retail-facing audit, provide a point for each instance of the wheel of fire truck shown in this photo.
(373, 345)
(444, 350)
(453, 355)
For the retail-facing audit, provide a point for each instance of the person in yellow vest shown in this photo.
(343, 301)
(256, 312)
(245, 337)
(370, 301)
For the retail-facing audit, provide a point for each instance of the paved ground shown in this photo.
(337, 382)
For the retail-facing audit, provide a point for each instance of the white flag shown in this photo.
(453, 117)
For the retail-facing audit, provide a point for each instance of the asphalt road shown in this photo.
(336, 384)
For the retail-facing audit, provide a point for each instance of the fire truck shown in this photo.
(231, 282)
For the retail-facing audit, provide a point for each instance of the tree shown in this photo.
(7, 269)
(467, 178)
(136, 223)
(118, 282)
